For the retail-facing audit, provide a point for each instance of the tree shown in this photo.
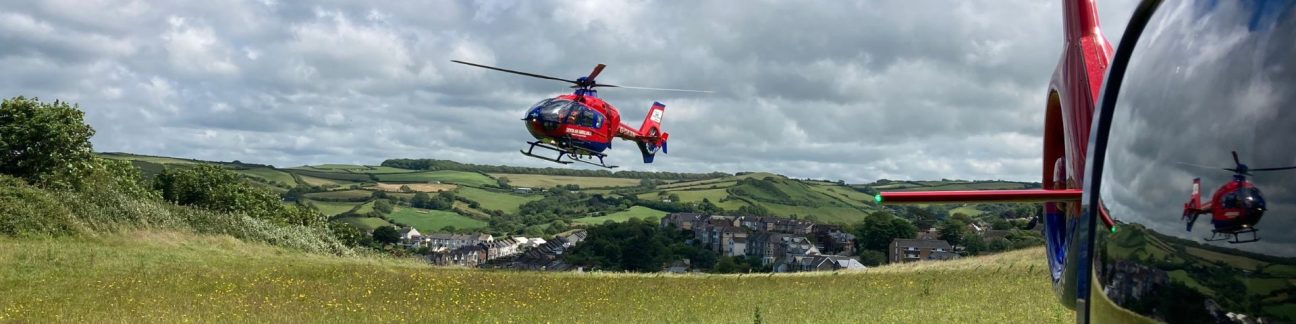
(953, 230)
(872, 258)
(999, 244)
(44, 143)
(1000, 224)
(975, 245)
(383, 206)
(386, 235)
(405, 188)
(420, 200)
(503, 182)
(879, 229)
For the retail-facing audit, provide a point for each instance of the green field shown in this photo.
(365, 224)
(341, 195)
(365, 208)
(621, 216)
(330, 208)
(492, 200)
(182, 277)
(445, 176)
(428, 221)
(546, 181)
(146, 158)
(272, 175)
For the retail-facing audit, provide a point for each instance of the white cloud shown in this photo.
(853, 91)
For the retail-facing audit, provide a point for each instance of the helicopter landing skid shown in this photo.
(1234, 237)
(574, 154)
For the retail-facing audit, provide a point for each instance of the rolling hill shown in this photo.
(340, 189)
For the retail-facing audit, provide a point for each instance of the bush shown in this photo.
(45, 144)
(218, 189)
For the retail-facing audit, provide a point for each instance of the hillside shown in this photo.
(173, 277)
(342, 190)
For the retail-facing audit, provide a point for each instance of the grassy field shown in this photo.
(171, 277)
(341, 194)
(621, 216)
(271, 175)
(492, 200)
(366, 224)
(446, 176)
(330, 208)
(546, 181)
(429, 221)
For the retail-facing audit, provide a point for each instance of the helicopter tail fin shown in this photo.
(1195, 201)
(1193, 207)
(651, 138)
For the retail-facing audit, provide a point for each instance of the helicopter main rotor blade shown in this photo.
(594, 74)
(647, 88)
(1273, 169)
(515, 72)
(1235, 158)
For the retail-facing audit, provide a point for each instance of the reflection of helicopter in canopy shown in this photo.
(581, 126)
(1235, 207)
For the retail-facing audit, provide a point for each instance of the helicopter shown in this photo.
(1235, 207)
(580, 125)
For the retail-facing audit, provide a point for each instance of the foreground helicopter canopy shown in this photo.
(1202, 79)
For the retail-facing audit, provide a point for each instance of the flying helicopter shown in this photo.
(580, 125)
(1235, 207)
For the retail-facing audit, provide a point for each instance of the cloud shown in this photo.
(855, 90)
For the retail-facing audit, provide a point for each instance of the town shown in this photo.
(780, 245)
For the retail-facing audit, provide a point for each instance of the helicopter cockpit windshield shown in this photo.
(550, 112)
(1243, 198)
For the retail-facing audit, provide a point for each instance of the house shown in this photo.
(835, 241)
(683, 221)
(447, 241)
(737, 246)
(766, 246)
(409, 235)
(468, 256)
(908, 250)
(522, 190)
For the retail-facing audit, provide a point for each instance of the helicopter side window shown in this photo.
(588, 118)
(1230, 200)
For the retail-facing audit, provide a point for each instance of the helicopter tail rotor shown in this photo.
(651, 138)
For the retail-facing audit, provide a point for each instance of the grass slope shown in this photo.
(621, 216)
(428, 221)
(492, 200)
(446, 176)
(330, 208)
(170, 277)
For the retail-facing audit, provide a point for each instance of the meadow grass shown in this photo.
(621, 216)
(175, 277)
(492, 200)
(546, 181)
(428, 221)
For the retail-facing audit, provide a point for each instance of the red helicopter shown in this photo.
(580, 126)
(1235, 207)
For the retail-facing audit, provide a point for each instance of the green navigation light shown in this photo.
(1113, 229)
(878, 198)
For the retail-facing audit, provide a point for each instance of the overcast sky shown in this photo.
(857, 91)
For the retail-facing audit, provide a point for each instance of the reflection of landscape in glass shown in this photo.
(1204, 80)
(1185, 281)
